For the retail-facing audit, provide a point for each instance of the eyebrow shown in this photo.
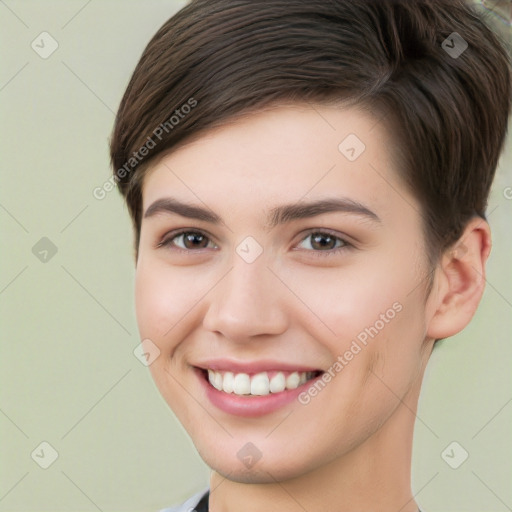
(278, 215)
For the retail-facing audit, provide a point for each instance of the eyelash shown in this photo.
(167, 242)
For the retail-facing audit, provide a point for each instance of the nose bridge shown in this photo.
(246, 302)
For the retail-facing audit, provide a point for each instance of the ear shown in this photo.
(460, 281)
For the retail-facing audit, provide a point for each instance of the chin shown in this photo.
(274, 466)
(247, 476)
(259, 474)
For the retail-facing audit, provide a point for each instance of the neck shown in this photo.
(373, 476)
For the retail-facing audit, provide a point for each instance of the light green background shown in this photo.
(68, 373)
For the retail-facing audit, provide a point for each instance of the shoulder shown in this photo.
(188, 505)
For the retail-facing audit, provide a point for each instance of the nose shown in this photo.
(249, 301)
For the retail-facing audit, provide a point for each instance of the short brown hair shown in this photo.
(222, 58)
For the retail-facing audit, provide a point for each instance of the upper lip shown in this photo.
(263, 365)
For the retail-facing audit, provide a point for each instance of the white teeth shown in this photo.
(228, 382)
(292, 381)
(260, 384)
(277, 383)
(215, 379)
(242, 384)
(218, 380)
(257, 385)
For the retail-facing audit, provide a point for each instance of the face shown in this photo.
(310, 321)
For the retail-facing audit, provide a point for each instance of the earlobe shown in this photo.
(460, 280)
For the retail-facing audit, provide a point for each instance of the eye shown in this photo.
(186, 240)
(321, 243)
(324, 243)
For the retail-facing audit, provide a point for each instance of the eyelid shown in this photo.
(326, 231)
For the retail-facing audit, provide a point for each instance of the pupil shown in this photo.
(318, 237)
(193, 237)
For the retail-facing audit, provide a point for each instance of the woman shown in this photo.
(307, 183)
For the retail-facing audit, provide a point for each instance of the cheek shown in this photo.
(152, 300)
(165, 301)
(377, 315)
(350, 301)
(161, 306)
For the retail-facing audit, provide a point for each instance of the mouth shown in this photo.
(254, 393)
(258, 384)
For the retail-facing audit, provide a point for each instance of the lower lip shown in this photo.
(250, 406)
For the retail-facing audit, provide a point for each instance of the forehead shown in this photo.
(281, 154)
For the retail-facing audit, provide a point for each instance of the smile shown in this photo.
(259, 384)
(253, 389)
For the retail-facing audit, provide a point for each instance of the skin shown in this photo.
(349, 448)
